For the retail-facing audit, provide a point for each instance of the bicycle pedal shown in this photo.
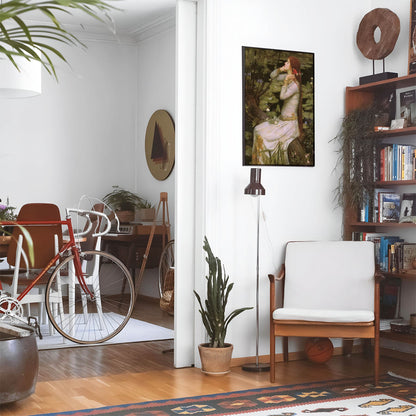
(35, 325)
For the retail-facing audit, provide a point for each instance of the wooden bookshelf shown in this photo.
(405, 275)
(361, 97)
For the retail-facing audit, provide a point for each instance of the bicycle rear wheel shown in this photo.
(166, 263)
(83, 318)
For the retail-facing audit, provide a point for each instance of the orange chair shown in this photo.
(330, 290)
(46, 241)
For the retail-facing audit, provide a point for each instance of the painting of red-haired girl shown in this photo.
(278, 95)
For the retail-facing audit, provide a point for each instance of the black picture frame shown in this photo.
(271, 138)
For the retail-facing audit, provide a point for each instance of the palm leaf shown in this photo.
(18, 38)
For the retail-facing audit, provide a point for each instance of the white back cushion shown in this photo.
(335, 275)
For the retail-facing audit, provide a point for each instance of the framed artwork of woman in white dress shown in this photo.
(278, 107)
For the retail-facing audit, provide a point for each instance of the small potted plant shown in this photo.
(6, 214)
(216, 355)
(123, 202)
(145, 211)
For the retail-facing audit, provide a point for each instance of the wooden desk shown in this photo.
(130, 248)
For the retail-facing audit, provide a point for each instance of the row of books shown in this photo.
(397, 162)
(389, 206)
(392, 253)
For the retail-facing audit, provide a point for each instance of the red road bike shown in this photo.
(89, 295)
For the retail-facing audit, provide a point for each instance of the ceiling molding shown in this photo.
(107, 33)
(160, 25)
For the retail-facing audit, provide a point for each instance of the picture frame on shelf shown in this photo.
(406, 105)
(278, 107)
(408, 208)
(412, 38)
(398, 123)
(389, 207)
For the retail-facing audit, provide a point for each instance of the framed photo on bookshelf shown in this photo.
(278, 107)
(389, 207)
(408, 208)
(412, 38)
(406, 105)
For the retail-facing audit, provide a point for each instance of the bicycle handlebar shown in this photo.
(87, 214)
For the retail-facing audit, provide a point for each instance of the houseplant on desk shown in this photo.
(124, 203)
(216, 355)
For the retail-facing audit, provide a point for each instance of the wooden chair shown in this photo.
(330, 289)
(46, 241)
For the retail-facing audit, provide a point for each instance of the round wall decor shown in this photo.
(389, 25)
(160, 144)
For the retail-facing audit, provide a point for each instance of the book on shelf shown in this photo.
(401, 255)
(385, 258)
(408, 208)
(397, 162)
(388, 259)
(389, 207)
(408, 256)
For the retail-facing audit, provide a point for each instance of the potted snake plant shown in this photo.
(216, 354)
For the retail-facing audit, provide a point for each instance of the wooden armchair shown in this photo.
(330, 289)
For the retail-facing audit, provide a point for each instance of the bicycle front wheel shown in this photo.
(98, 312)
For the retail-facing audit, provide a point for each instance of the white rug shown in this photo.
(134, 331)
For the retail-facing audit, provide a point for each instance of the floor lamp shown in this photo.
(256, 189)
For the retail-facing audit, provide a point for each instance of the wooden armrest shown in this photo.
(273, 278)
(280, 275)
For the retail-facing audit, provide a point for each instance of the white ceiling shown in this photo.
(132, 17)
(138, 14)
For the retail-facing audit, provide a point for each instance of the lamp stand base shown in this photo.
(253, 367)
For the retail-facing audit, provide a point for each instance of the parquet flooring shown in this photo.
(89, 377)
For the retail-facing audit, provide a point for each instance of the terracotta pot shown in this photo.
(215, 361)
(146, 214)
(125, 216)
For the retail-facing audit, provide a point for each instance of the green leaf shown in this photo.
(17, 40)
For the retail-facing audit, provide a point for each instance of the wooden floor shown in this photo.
(88, 377)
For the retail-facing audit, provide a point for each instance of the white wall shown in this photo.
(299, 200)
(78, 136)
(92, 121)
(156, 91)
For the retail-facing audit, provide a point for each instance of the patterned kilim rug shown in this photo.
(349, 397)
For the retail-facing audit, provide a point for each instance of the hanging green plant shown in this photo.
(358, 156)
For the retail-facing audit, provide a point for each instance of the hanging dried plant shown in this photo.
(358, 156)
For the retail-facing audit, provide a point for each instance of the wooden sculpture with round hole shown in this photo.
(389, 25)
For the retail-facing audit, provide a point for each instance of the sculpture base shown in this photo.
(377, 77)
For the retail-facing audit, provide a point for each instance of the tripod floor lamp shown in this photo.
(256, 189)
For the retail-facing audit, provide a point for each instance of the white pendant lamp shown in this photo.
(22, 83)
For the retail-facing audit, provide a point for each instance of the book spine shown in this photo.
(382, 165)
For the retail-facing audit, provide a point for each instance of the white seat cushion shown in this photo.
(323, 315)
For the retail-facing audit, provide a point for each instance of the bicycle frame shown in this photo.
(70, 245)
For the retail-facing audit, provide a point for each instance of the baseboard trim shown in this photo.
(148, 298)
(293, 356)
(300, 355)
